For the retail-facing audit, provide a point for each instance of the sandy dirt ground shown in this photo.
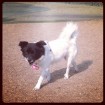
(18, 79)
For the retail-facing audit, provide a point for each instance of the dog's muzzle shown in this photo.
(35, 66)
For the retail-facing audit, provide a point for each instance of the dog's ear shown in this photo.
(22, 44)
(40, 43)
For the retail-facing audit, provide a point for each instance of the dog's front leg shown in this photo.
(48, 75)
(38, 85)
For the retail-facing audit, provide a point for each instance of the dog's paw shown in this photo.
(66, 76)
(36, 88)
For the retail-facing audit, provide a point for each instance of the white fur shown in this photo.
(63, 47)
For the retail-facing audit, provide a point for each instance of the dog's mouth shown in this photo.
(35, 66)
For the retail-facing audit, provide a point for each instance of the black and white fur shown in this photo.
(43, 53)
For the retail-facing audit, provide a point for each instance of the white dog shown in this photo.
(42, 54)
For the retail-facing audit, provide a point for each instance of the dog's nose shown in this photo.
(30, 61)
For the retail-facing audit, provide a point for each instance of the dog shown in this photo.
(42, 54)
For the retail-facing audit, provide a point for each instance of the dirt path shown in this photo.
(19, 79)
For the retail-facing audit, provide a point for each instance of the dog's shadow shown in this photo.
(58, 74)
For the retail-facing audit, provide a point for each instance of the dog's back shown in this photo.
(66, 40)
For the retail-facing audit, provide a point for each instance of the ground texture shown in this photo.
(19, 79)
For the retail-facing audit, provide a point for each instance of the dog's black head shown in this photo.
(32, 51)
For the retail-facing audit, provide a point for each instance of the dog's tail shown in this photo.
(70, 31)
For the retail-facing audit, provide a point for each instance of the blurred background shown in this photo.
(50, 11)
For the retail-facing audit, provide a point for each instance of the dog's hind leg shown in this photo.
(69, 60)
(74, 65)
